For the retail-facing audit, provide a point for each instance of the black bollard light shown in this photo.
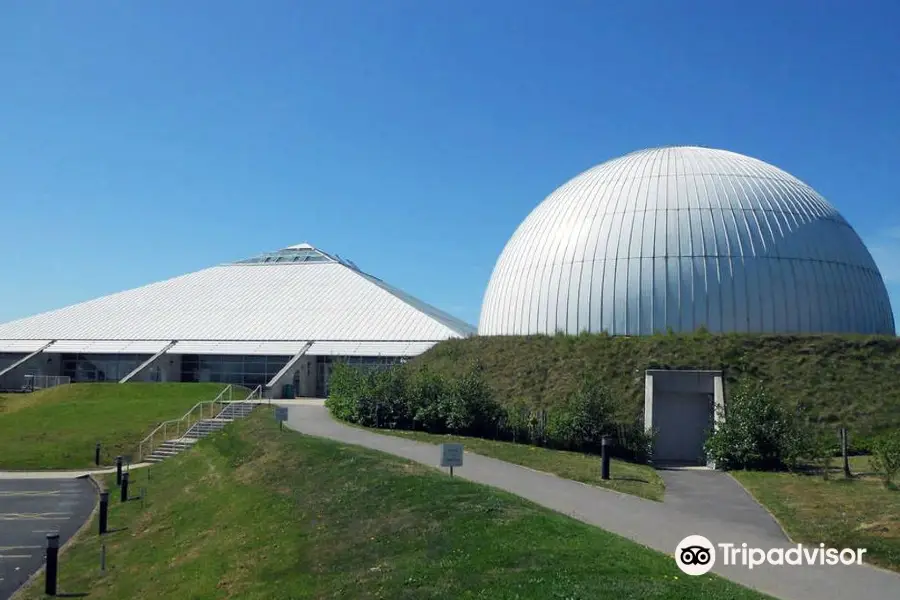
(124, 487)
(52, 563)
(97, 454)
(605, 444)
(104, 511)
(118, 470)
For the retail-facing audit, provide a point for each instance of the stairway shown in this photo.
(170, 448)
(201, 429)
(236, 410)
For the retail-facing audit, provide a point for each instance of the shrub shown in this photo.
(758, 432)
(344, 390)
(461, 404)
(886, 456)
(426, 396)
(398, 398)
(819, 447)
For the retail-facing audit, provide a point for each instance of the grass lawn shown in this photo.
(57, 428)
(857, 513)
(256, 513)
(626, 477)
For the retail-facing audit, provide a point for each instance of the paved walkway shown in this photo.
(657, 525)
(68, 474)
(716, 495)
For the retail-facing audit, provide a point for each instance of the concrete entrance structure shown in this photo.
(681, 407)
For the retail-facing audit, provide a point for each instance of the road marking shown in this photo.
(47, 516)
(8, 548)
(45, 531)
(15, 556)
(30, 493)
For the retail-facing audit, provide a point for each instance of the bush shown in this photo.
(759, 432)
(592, 415)
(344, 390)
(886, 456)
(820, 449)
(469, 407)
(425, 399)
(397, 398)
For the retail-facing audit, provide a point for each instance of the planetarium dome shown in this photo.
(680, 238)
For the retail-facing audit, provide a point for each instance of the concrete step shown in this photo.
(214, 425)
(203, 430)
(174, 447)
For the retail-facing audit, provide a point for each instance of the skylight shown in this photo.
(302, 253)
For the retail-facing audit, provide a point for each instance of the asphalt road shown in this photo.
(29, 510)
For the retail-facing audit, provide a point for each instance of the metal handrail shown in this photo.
(177, 423)
(255, 395)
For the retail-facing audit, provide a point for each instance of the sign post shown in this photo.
(281, 413)
(451, 456)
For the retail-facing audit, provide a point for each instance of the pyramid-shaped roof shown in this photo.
(299, 293)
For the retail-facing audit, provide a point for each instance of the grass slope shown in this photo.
(253, 513)
(854, 513)
(849, 379)
(625, 477)
(57, 428)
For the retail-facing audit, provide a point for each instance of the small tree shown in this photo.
(886, 456)
(757, 432)
(819, 447)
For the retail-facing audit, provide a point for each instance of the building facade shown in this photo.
(280, 320)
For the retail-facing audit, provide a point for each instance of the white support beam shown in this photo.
(147, 362)
(25, 359)
(288, 366)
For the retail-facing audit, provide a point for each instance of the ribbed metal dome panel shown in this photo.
(683, 237)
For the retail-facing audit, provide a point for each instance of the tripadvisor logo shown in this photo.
(696, 555)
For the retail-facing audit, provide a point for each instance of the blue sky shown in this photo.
(143, 140)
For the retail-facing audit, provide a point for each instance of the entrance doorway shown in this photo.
(680, 406)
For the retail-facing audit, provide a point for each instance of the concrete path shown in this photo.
(29, 510)
(716, 495)
(67, 474)
(300, 402)
(657, 525)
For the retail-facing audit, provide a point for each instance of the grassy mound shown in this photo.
(253, 513)
(626, 477)
(58, 428)
(843, 379)
(843, 513)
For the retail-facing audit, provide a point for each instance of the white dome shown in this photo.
(684, 237)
